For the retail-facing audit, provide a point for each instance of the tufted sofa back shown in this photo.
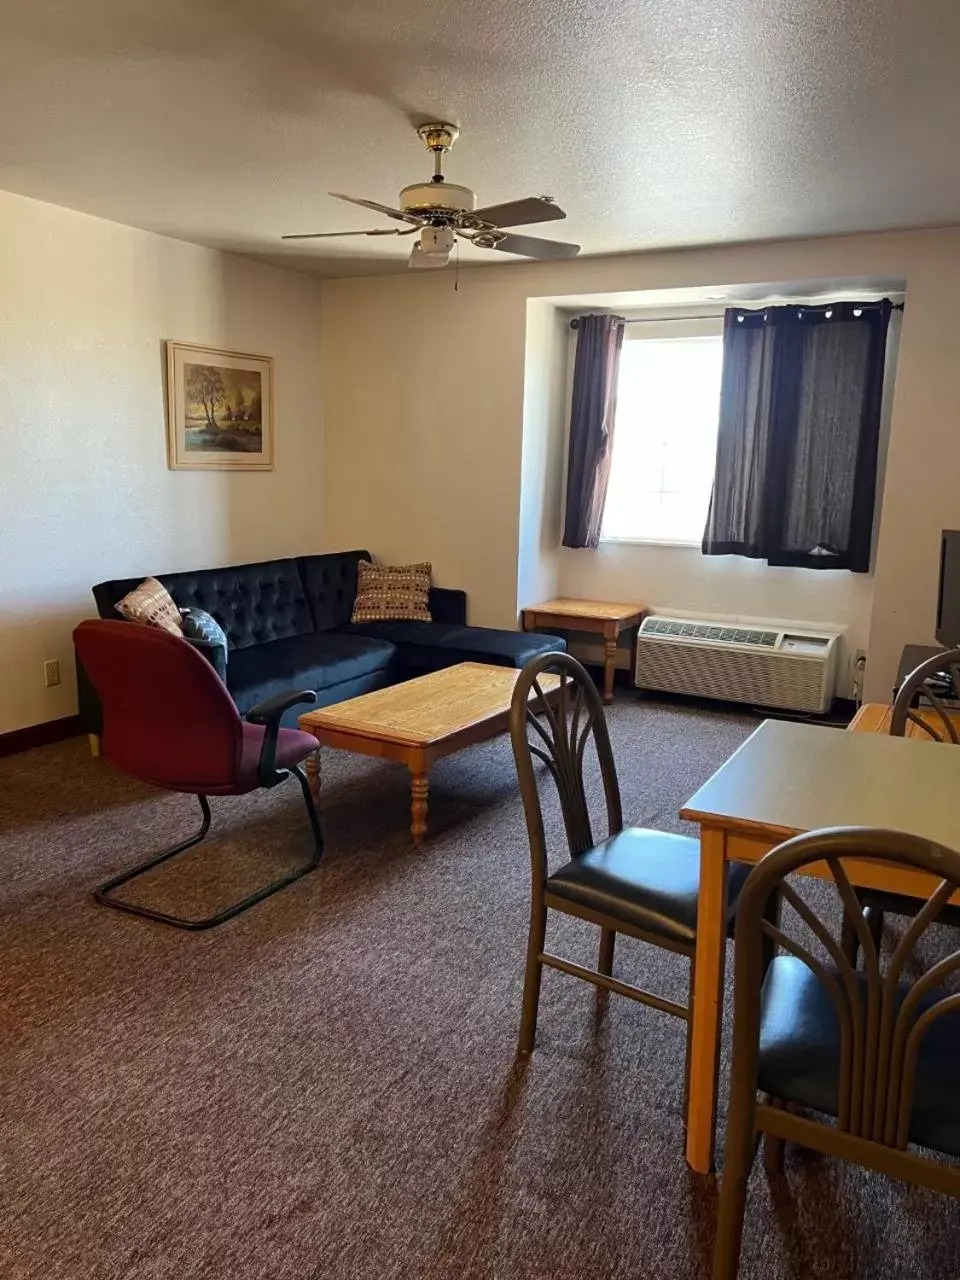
(254, 603)
(330, 583)
(257, 603)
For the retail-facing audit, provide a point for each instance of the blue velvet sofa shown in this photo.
(288, 627)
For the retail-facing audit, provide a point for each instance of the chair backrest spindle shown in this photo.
(882, 1020)
(554, 721)
(923, 681)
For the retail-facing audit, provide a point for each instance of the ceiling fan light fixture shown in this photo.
(420, 259)
(436, 241)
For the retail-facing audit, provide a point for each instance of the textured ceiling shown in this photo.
(653, 122)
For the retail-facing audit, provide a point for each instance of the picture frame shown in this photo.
(220, 409)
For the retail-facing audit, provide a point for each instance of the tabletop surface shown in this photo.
(789, 778)
(427, 708)
(587, 608)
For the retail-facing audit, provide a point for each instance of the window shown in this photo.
(665, 438)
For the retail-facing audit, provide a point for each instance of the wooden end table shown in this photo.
(602, 616)
(418, 722)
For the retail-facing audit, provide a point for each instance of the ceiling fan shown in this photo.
(440, 211)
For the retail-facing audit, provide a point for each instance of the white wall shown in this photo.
(545, 411)
(424, 401)
(681, 578)
(424, 388)
(85, 493)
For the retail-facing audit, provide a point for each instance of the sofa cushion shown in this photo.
(303, 662)
(254, 603)
(330, 584)
(428, 646)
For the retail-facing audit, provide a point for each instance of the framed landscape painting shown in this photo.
(219, 409)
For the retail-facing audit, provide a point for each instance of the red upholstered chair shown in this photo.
(169, 720)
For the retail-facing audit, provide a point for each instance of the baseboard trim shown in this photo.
(40, 735)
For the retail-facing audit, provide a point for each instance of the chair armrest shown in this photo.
(270, 713)
(272, 709)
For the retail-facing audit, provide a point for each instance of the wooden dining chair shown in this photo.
(873, 1051)
(637, 882)
(927, 681)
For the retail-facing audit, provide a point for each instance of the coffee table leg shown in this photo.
(419, 790)
(312, 767)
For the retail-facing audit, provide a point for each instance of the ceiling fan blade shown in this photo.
(398, 214)
(323, 235)
(534, 247)
(420, 260)
(516, 213)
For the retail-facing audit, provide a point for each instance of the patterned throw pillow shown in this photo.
(391, 593)
(206, 633)
(152, 604)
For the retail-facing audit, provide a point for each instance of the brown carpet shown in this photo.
(325, 1087)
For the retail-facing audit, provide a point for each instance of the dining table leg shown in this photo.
(707, 1000)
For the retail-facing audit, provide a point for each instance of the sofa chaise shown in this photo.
(288, 627)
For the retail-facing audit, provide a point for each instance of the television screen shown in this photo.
(948, 602)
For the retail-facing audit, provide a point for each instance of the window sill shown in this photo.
(650, 542)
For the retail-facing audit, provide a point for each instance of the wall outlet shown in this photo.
(859, 670)
(51, 673)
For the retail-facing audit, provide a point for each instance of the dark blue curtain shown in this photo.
(797, 447)
(592, 413)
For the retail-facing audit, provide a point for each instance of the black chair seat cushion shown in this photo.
(429, 646)
(800, 1053)
(316, 661)
(649, 879)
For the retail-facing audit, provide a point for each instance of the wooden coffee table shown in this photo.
(419, 722)
(603, 616)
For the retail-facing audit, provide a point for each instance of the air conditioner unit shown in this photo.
(763, 665)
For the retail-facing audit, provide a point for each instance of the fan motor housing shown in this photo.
(437, 195)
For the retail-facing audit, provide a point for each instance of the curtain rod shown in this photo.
(716, 315)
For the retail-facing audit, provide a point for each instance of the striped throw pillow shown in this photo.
(152, 604)
(391, 593)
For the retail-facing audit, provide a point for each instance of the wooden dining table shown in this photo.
(786, 779)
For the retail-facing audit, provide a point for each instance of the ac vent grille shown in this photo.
(758, 665)
(709, 631)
